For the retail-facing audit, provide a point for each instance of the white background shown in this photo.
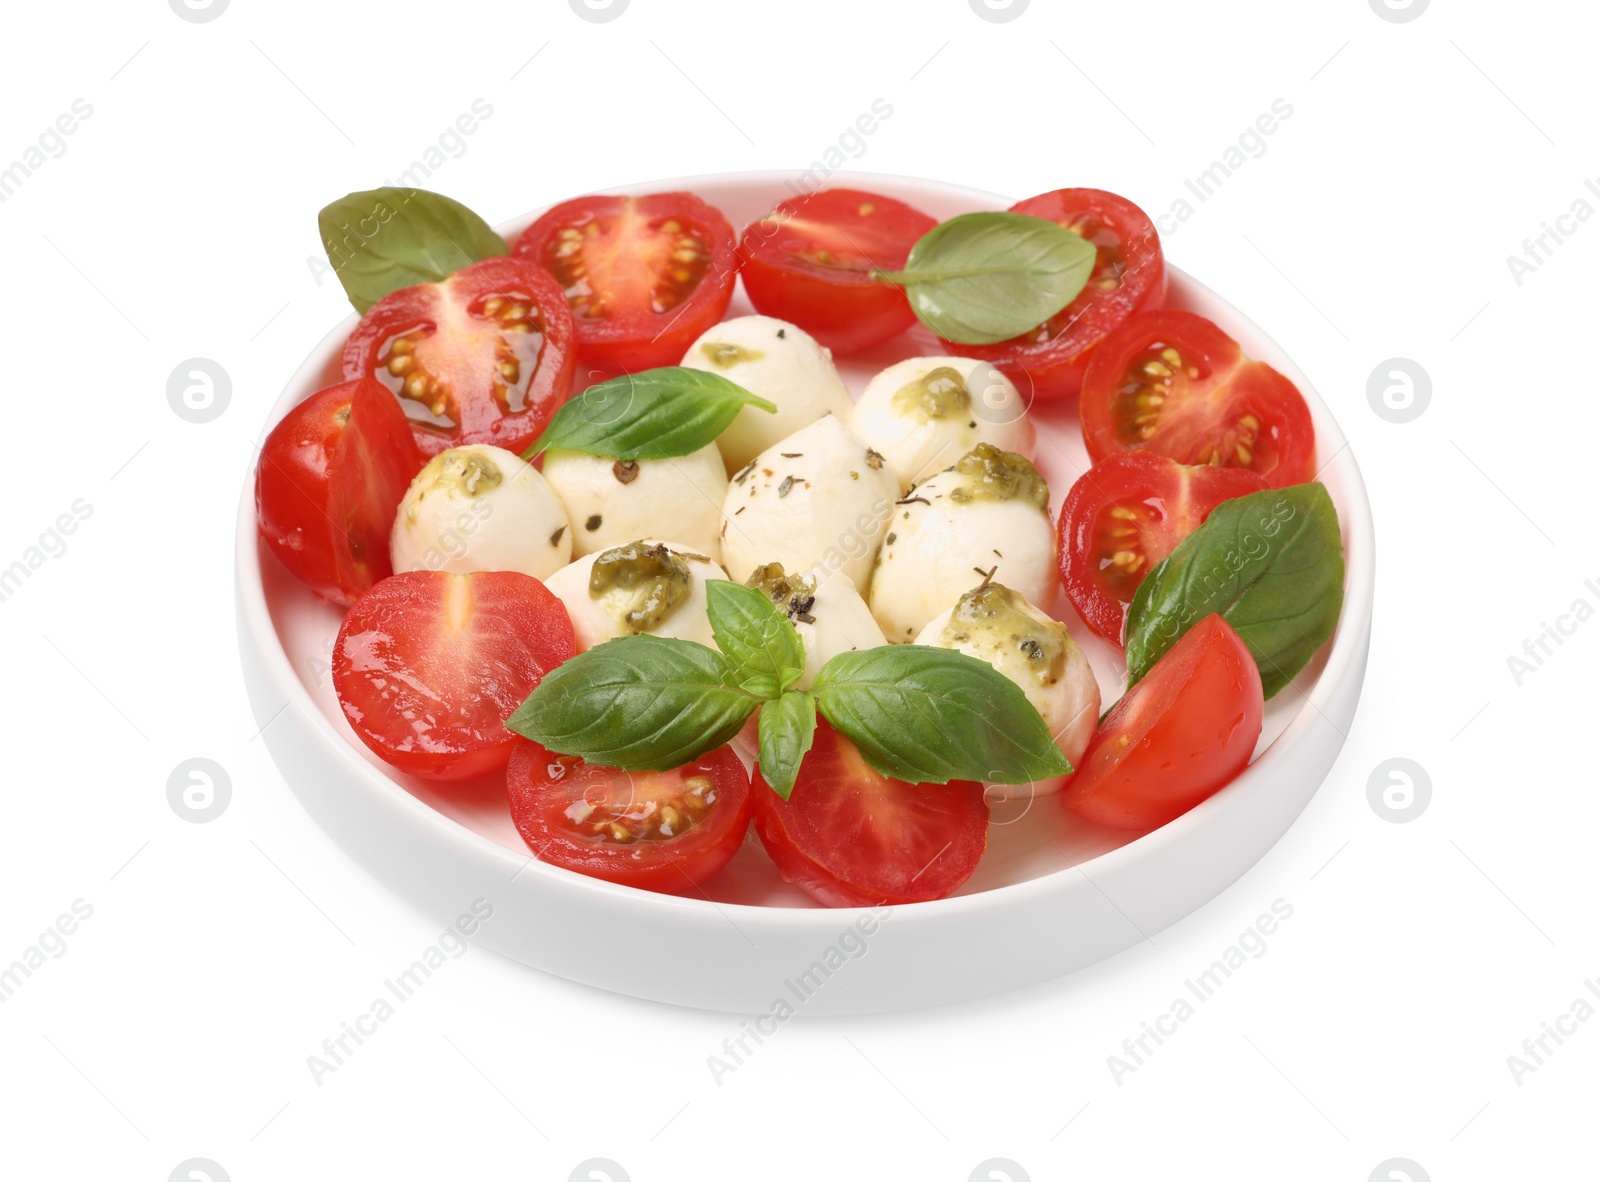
(1377, 223)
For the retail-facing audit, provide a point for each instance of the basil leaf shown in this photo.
(985, 277)
(640, 703)
(931, 715)
(786, 730)
(382, 240)
(1271, 564)
(651, 415)
(755, 636)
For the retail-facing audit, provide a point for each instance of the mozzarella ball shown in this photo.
(825, 609)
(924, 413)
(480, 508)
(818, 496)
(986, 513)
(776, 361)
(996, 625)
(643, 586)
(610, 502)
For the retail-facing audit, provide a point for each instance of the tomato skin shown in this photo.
(1203, 416)
(428, 666)
(1186, 729)
(838, 301)
(455, 338)
(849, 837)
(626, 257)
(1140, 505)
(1051, 360)
(330, 477)
(676, 866)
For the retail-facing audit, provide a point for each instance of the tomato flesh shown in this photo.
(1185, 730)
(660, 831)
(849, 837)
(428, 666)
(1123, 516)
(810, 262)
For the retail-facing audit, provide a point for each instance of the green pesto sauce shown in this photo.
(989, 474)
(651, 580)
(992, 618)
(938, 394)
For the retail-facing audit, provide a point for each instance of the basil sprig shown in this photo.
(651, 415)
(918, 714)
(381, 240)
(985, 277)
(1271, 564)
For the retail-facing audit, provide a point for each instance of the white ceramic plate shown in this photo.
(1051, 895)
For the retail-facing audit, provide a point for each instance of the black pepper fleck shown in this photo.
(780, 333)
(555, 538)
(791, 455)
(625, 472)
(874, 460)
(889, 541)
(593, 523)
(740, 510)
(786, 484)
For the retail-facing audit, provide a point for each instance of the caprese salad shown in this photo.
(701, 587)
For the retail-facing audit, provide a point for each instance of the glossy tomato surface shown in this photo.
(330, 477)
(1186, 729)
(849, 837)
(660, 831)
(810, 262)
(1175, 384)
(428, 666)
(1123, 516)
(484, 357)
(1129, 276)
(644, 276)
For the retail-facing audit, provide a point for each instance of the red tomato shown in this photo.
(1174, 383)
(484, 357)
(661, 831)
(1183, 731)
(429, 665)
(810, 262)
(1129, 276)
(1126, 514)
(645, 276)
(849, 837)
(329, 480)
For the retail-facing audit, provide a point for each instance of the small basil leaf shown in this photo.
(762, 685)
(985, 277)
(651, 415)
(753, 634)
(381, 240)
(1271, 564)
(931, 715)
(786, 730)
(639, 703)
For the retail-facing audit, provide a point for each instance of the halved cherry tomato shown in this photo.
(645, 276)
(484, 357)
(1174, 383)
(849, 837)
(1129, 276)
(1126, 514)
(1183, 731)
(330, 478)
(660, 831)
(810, 261)
(428, 666)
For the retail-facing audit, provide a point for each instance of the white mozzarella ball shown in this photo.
(925, 413)
(610, 502)
(986, 513)
(643, 586)
(996, 625)
(478, 508)
(776, 361)
(818, 496)
(825, 609)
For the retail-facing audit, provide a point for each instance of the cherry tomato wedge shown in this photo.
(1175, 384)
(1183, 731)
(484, 357)
(428, 666)
(849, 837)
(645, 276)
(1126, 514)
(660, 831)
(330, 478)
(810, 262)
(1129, 276)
